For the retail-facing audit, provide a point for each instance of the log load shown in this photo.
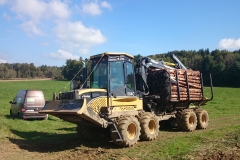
(175, 84)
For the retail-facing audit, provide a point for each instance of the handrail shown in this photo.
(187, 86)
(178, 89)
(202, 86)
(211, 87)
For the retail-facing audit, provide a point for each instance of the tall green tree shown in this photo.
(71, 68)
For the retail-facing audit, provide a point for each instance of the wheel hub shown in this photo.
(191, 120)
(204, 118)
(152, 126)
(131, 131)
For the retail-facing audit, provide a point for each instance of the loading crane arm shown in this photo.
(144, 63)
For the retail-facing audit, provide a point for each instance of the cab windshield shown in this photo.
(116, 75)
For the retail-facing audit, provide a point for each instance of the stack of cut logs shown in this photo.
(163, 82)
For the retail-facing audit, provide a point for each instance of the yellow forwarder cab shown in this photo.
(115, 74)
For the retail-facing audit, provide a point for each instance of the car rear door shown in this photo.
(34, 100)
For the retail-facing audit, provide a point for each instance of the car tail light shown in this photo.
(23, 109)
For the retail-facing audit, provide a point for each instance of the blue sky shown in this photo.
(47, 32)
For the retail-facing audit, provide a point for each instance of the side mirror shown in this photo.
(12, 102)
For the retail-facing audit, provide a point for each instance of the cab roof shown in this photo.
(111, 53)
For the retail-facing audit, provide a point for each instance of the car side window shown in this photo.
(20, 96)
(19, 100)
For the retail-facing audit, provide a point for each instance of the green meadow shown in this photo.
(57, 139)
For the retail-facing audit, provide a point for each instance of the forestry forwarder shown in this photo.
(132, 104)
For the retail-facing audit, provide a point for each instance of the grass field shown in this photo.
(57, 139)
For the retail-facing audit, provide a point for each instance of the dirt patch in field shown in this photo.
(226, 148)
(72, 148)
(221, 155)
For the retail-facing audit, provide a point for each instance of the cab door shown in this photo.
(122, 91)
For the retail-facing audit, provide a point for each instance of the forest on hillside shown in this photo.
(223, 65)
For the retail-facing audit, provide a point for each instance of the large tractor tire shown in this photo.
(129, 129)
(179, 119)
(149, 127)
(88, 133)
(187, 120)
(202, 118)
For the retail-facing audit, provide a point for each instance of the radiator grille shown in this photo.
(97, 104)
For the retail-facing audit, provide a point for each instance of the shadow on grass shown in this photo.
(51, 142)
(11, 117)
(67, 129)
(40, 119)
(45, 142)
(166, 126)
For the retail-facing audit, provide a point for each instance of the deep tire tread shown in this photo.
(122, 128)
(200, 124)
(183, 120)
(144, 121)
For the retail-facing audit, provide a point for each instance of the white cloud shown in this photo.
(36, 11)
(229, 43)
(58, 9)
(74, 35)
(105, 4)
(2, 2)
(30, 27)
(95, 8)
(91, 8)
(6, 16)
(3, 61)
(62, 54)
(37, 16)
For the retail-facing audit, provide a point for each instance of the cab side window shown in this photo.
(129, 76)
(99, 76)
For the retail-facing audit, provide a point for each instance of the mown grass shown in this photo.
(226, 102)
(223, 130)
(30, 130)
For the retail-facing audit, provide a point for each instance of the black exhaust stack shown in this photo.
(84, 76)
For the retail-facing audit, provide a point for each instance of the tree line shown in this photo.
(25, 70)
(223, 65)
